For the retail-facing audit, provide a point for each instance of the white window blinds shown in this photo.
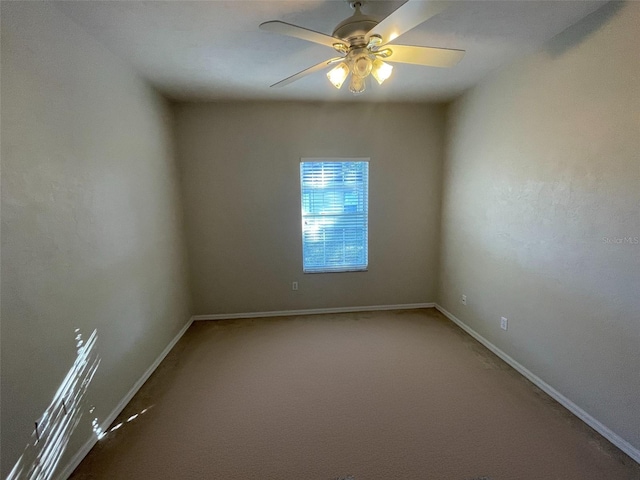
(334, 215)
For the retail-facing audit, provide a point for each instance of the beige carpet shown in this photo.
(380, 395)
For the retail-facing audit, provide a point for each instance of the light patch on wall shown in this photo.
(53, 429)
(100, 433)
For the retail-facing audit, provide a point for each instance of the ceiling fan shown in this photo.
(363, 43)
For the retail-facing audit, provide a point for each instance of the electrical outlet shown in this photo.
(463, 299)
(294, 285)
(504, 323)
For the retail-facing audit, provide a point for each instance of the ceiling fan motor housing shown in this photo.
(354, 29)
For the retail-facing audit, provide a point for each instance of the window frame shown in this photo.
(345, 269)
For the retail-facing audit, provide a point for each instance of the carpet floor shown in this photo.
(364, 396)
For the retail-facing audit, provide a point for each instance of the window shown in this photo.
(334, 215)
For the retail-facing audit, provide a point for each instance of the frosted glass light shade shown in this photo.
(338, 75)
(362, 66)
(381, 71)
(357, 84)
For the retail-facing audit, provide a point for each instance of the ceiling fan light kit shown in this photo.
(364, 41)
(360, 63)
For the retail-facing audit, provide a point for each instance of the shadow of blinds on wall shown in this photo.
(335, 214)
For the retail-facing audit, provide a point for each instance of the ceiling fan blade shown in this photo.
(306, 72)
(409, 15)
(429, 56)
(284, 28)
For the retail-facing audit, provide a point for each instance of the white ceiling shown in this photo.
(213, 50)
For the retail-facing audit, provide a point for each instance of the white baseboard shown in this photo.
(311, 311)
(602, 429)
(79, 456)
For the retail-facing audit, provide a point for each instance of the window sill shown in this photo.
(313, 272)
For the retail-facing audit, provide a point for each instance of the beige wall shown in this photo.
(91, 226)
(240, 168)
(542, 165)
